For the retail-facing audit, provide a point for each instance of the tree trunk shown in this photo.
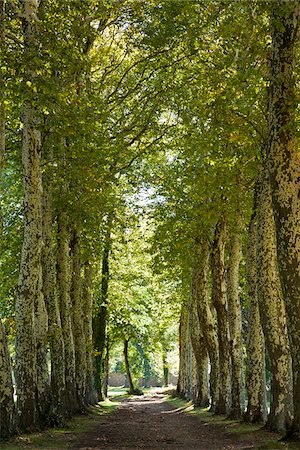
(165, 368)
(206, 319)
(7, 427)
(41, 338)
(106, 370)
(220, 303)
(90, 392)
(26, 364)
(200, 352)
(235, 326)
(284, 171)
(78, 331)
(55, 336)
(272, 310)
(256, 376)
(99, 322)
(182, 340)
(63, 284)
(128, 373)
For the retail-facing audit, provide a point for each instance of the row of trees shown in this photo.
(73, 104)
(234, 166)
(176, 101)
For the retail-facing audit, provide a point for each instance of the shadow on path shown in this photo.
(149, 422)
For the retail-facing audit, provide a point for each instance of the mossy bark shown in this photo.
(256, 377)
(284, 171)
(272, 310)
(235, 324)
(220, 303)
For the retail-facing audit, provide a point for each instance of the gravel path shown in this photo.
(149, 422)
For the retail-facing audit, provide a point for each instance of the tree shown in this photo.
(284, 171)
(30, 299)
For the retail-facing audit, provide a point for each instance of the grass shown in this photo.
(63, 438)
(261, 439)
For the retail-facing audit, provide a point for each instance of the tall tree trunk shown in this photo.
(187, 367)
(55, 336)
(220, 303)
(235, 325)
(106, 370)
(182, 341)
(28, 284)
(90, 392)
(41, 338)
(26, 370)
(165, 368)
(272, 310)
(256, 376)
(63, 284)
(78, 330)
(7, 427)
(6, 386)
(99, 322)
(206, 319)
(127, 367)
(284, 171)
(200, 352)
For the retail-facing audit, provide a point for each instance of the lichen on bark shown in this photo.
(220, 303)
(255, 376)
(272, 310)
(284, 171)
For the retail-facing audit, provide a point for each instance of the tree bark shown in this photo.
(127, 367)
(55, 336)
(90, 391)
(206, 319)
(284, 172)
(7, 425)
(182, 340)
(99, 322)
(165, 368)
(78, 324)
(106, 370)
(28, 284)
(200, 352)
(235, 325)
(256, 376)
(272, 310)
(41, 338)
(220, 303)
(63, 284)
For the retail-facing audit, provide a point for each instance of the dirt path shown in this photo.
(150, 422)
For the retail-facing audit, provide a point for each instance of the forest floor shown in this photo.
(153, 421)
